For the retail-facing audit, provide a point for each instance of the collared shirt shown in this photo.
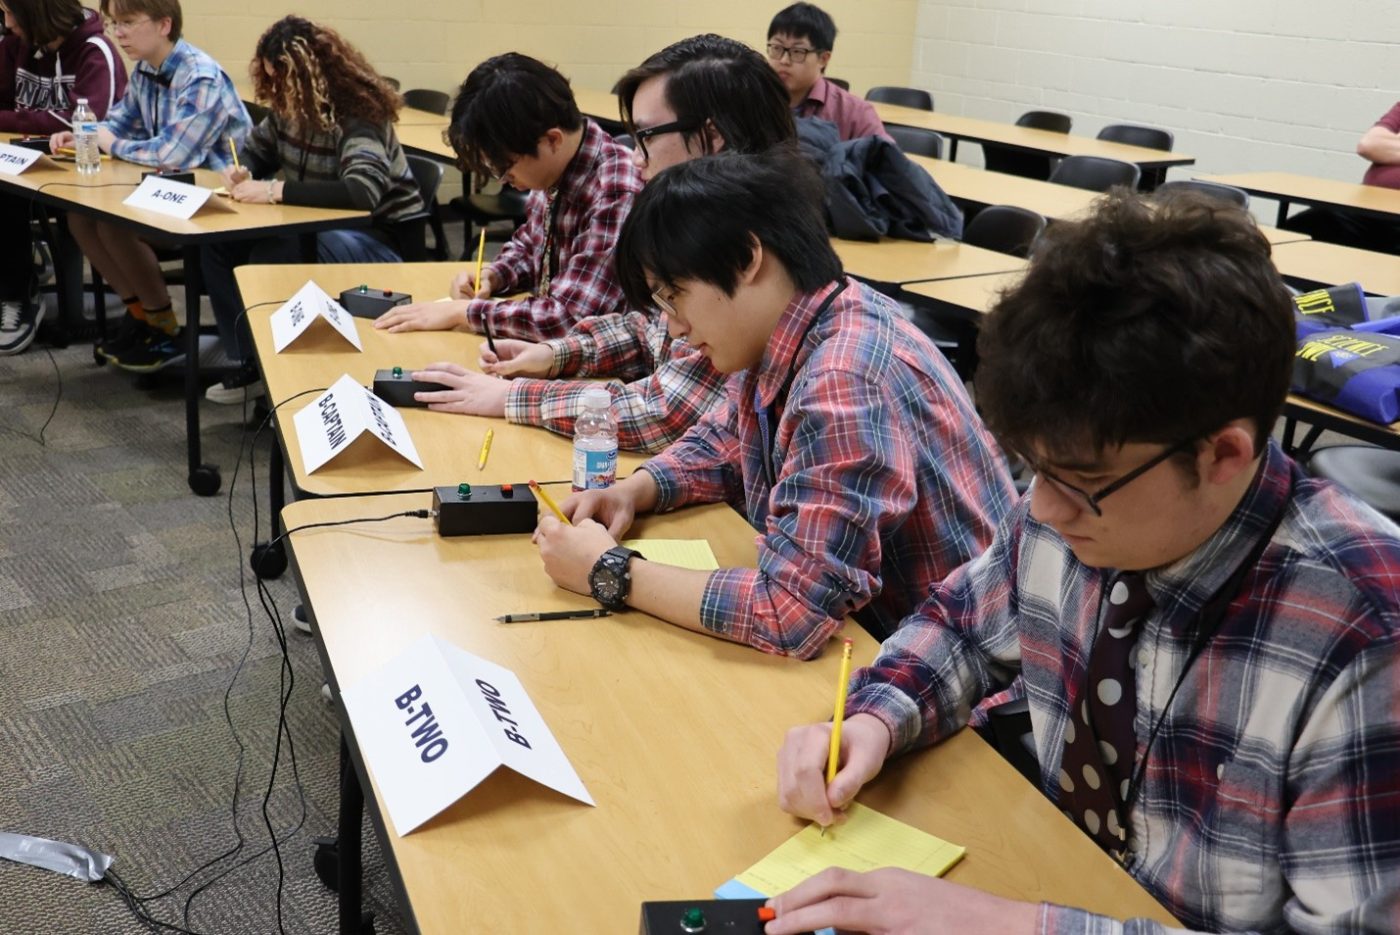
(669, 384)
(1270, 799)
(594, 195)
(886, 478)
(179, 116)
(854, 117)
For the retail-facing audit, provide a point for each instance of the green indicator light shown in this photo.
(464, 490)
(398, 372)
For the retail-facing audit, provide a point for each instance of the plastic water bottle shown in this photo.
(595, 441)
(86, 153)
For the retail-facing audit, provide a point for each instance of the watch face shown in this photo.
(607, 585)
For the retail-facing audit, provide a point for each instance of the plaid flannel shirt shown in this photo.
(886, 478)
(594, 194)
(180, 116)
(1271, 796)
(670, 385)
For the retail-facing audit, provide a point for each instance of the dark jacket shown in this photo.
(873, 190)
(39, 86)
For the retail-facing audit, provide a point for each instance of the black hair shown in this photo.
(1148, 321)
(698, 220)
(719, 81)
(503, 108)
(805, 21)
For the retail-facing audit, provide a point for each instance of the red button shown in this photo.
(507, 490)
(766, 914)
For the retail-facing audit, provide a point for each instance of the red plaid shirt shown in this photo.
(671, 385)
(594, 195)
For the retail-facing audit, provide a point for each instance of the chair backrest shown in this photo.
(917, 141)
(412, 230)
(1133, 135)
(256, 112)
(904, 97)
(1215, 189)
(841, 83)
(1005, 229)
(1095, 173)
(1045, 120)
(434, 102)
(428, 174)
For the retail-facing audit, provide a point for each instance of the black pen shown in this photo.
(555, 615)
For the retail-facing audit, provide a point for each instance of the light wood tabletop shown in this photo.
(600, 105)
(1025, 138)
(1331, 264)
(426, 140)
(447, 443)
(673, 733)
(1289, 187)
(903, 261)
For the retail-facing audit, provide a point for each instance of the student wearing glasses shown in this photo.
(179, 113)
(843, 436)
(515, 119)
(697, 96)
(800, 40)
(1209, 639)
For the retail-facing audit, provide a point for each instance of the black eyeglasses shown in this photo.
(675, 126)
(796, 54)
(1092, 500)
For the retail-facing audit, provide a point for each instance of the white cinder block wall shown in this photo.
(1246, 85)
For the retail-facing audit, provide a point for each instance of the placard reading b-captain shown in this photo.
(342, 414)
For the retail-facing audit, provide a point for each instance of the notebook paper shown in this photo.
(866, 840)
(686, 553)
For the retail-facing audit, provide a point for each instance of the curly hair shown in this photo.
(318, 79)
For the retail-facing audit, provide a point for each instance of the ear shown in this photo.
(163, 24)
(1228, 452)
(749, 273)
(824, 58)
(553, 138)
(714, 140)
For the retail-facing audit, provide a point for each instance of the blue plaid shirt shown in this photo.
(179, 116)
(1270, 800)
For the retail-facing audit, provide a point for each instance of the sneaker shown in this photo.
(154, 352)
(19, 322)
(299, 618)
(243, 384)
(130, 333)
(326, 692)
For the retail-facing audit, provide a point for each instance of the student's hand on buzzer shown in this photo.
(472, 394)
(465, 286)
(233, 177)
(891, 901)
(612, 506)
(517, 359)
(802, 785)
(63, 139)
(570, 552)
(423, 316)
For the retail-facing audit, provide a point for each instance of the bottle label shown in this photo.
(594, 470)
(86, 128)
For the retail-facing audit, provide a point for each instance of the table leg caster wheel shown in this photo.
(205, 480)
(268, 561)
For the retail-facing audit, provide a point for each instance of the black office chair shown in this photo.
(393, 82)
(428, 174)
(1095, 173)
(998, 158)
(434, 102)
(1005, 229)
(916, 141)
(904, 97)
(256, 112)
(841, 83)
(1135, 135)
(1373, 474)
(1219, 190)
(484, 208)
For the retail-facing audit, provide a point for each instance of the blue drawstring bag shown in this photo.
(1335, 307)
(1356, 369)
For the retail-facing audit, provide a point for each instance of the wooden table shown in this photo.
(971, 298)
(1329, 264)
(426, 139)
(1288, 187)
(1027, 139)
(448, 444)
(600, 105)
(100, 196)
(674, 734)
(894, 262)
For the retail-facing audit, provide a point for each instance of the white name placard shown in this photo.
(342, 414)
(436, 721)
(310, 303)
(172, 198)
(15, 159)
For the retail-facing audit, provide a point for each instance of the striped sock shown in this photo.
(163, 318)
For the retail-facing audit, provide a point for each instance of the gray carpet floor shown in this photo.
(122, 625)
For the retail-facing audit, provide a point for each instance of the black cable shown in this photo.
(83, 185)
(53, 410)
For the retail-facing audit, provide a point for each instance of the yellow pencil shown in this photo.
(234, 151)
(485, 449)
(549, 502)
(842, 680)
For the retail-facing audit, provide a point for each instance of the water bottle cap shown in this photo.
(597, 398)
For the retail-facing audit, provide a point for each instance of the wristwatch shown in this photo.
(610, 581)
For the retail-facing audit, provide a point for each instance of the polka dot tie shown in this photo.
(1100, 744)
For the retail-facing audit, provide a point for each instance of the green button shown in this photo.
(364, 288)
(464, 491)
(693, 920)
(398, 372)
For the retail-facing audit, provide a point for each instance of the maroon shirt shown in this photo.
(853, 116)
(39, 91)
(1387, 176)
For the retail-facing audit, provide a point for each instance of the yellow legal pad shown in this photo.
(686, 553)
(866, 840)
